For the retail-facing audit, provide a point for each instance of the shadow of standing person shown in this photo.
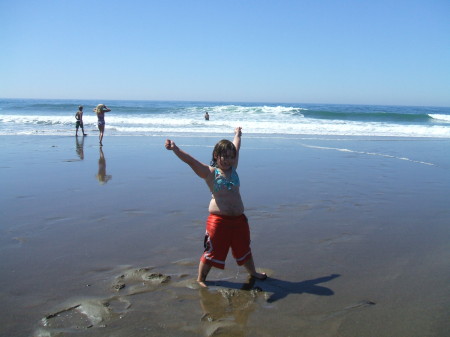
(280, 288)
(102, 177)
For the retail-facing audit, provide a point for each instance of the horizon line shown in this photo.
(219, 101)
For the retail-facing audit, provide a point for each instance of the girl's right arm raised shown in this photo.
(202, 170)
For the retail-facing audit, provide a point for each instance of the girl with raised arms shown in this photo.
(227, 226)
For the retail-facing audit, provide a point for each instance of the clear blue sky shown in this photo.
(356, 51)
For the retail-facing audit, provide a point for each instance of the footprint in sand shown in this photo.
(356, 306)
(224, 307)
(83, 314)
(140, 280)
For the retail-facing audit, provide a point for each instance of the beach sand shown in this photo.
(353, 233)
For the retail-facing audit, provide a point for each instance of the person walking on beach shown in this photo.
(79, 118)
(100, 111)
(227, 226)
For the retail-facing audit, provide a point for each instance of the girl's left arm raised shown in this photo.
(237, 142)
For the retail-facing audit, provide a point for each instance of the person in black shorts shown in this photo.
(79, 118)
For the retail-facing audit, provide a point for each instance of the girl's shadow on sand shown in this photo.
(280, 288)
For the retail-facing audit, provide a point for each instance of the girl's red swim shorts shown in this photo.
(223, 232)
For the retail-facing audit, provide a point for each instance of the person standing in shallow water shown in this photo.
(100, 111)
(79, 118)
(227, 226)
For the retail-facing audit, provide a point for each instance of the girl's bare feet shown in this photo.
(203, 270)
(250, 266)
(202, 284)
(259, 276)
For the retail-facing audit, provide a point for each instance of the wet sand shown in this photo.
(353, 233)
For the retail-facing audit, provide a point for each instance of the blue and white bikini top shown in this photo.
(221, 182)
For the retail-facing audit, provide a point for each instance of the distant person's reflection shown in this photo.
(102, 177)
(80, 147)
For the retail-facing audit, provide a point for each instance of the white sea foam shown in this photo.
(368, 153)
(440, 117)
(141, 124)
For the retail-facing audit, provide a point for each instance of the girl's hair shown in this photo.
(99, 108)
(221, 148)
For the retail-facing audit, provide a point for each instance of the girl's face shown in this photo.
(226, 160)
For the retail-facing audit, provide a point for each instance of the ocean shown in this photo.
(153, 118)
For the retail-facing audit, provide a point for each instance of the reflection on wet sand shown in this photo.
(226, 311)
(80, 147)
(102, 177)
(227, 306)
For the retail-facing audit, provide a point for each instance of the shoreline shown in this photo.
(345, 236)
